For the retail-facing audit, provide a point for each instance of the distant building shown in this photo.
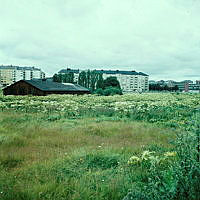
(197, 82)
(170, 83)
(10, 74)
(192, 87)
(42, 87)
(183, 85)
(130, 81)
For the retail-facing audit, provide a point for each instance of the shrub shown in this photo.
(177, 180)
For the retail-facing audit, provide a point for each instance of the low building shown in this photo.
(183, 85)
(192, 87)
(10, 74)
(42, 87)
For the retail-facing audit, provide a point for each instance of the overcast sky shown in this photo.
(158, 37)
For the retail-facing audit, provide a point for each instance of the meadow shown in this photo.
(133, 146)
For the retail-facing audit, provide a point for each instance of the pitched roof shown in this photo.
(44, 85)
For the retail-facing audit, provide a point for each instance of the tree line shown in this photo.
(158, 87)
(64, 78)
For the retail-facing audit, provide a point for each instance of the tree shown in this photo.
(91, 80)
(176, 88)
(111, 82)
(64, 78)
(55, 78)
(82, 79)
(100, 81)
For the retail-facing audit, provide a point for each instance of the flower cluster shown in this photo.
(147, 104)
(150, 156)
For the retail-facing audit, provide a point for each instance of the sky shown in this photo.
(158, 37)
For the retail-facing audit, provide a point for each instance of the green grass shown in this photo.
(78, 147)
(72, 158)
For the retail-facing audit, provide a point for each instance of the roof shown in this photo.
(121, 72)
(18, 68)
(44, 85)
(68, 70)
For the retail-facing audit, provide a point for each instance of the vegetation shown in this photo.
(109, 91)
(64, 78)
(111, 82)
(158, 87)
(109, 87)
(92, 80)
(138, 146)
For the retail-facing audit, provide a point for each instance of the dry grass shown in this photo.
(41, 141)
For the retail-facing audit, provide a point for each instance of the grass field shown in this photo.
(91, 147)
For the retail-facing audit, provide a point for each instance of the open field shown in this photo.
(91, 147)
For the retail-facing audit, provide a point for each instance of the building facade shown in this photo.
(11, 74)
(130, 81)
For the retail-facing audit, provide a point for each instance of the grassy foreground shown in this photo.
(71, 159)
(90, 147)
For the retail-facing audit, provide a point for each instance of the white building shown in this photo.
(11, 74)
(130, 81)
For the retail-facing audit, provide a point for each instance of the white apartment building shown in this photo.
(11, 74)
(130, 81)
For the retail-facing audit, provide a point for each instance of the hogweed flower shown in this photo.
(170, 154)
(133, 160)
(146, 155)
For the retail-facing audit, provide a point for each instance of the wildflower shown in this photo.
(170, 154)
(146, 155)
(133, 160)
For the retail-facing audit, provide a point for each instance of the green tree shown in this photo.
(82, 79)
(91, 80)
(111, 82)
(55, 77)
(64, 78)
(100, 81)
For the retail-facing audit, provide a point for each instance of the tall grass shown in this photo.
(88, 147)
(71, 159)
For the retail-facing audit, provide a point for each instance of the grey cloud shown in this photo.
(161, 38)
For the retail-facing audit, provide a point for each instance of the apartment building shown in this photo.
(10, 74)
(130, 81)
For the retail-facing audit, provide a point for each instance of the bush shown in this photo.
(109, 91)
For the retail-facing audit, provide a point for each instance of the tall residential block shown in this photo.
(10, 74)
(130, 81)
